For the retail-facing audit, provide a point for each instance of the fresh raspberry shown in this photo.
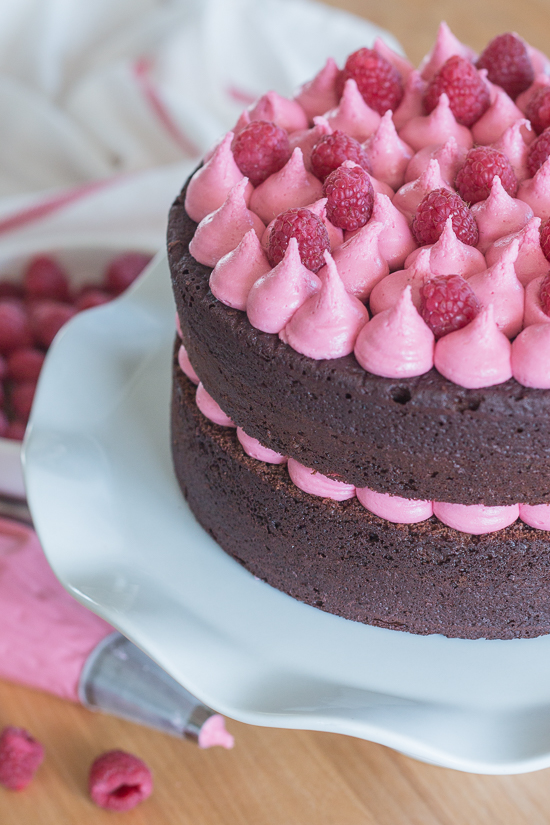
(3, 367)
(124, 270)
(508, 65)
(24, 364)
(92, 297)
(22, 396)
(448, 303)
(16, 430)
(333, 150)
(475, 178)
(15, 330)
(545, 294)
(468, 95)
(309, 231)
(378, 81)
(47, 318)
(45, 278)
(538, 109)
(261, 149)
(539, 151)
(350, 197)
(20, 757)
(119, 781)
(9, 289)
(433, 211)
(545, 238)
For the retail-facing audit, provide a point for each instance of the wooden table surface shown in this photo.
(277, 777)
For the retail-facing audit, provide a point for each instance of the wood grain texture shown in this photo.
(277, 777)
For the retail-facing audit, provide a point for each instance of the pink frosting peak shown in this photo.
(244, 120)
(396, 343)
(411, 103)
(501, 114)
(316, 484)
(476, 519)
(541, 79)
(353, 115)
(409, 196)
(498, 286)
(291, 186)
(327, 324)
(213, 733)
(307, 139)
(210, 408)
(534, 313)
(222, 230)
(387, 292)
(449, 256)
(449, 155)
(536, 515)
(539, 61)
(403, 66)
(381, 187)
(396, 240)
(536, 191)
(531, 357)
(436, 127)
(388, 154)
(514, 143)
(255, 449)
(499, 214)
(478, 355)
(275, 297)
(335, 234)
(531, 261)
(186, 366)
(320, 94)
(359, 261)
(288, 114)
(210, 185)
(234, 275)
(446, 45)
(393, 508)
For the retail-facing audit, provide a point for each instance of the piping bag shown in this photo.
(50, 642)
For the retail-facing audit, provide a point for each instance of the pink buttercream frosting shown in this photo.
(381, 187)
(500, 287)
(499, 214)
(539, 61)
(327, 324)
(446, 45)
(396, 343)
(178, 326)
(210, 408)
(437, 127)
(234, 275)
(449, 256)
(393, 508)
(388, 154)
(449, 155)
(531, 261)
(534, 313)
(290, 187)
(320, 94)
(514, 143)
(244, 120)
(403, 66)
(255, 449)
(478, 355)
(275, 297)
(541, 80)
(210, 185)
(353, 115)
(223, 230)
(308, 138)
(387, 292)
(186, 366)
(396, 240)
(335, 234)
(476, 519)
(407, 199)
(412, 101)
(213, 733)
(535, 515)
(501, 114)
(531, 357)
(359, 261)
(536, 191)
(316, 484)
(288, 114)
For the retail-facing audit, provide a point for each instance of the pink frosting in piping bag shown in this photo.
(499, 215)
(290, 187)
(234, 275)
(319, 95)
(316, 484)
(449, 155)
(500, 287)
(531, 357)
(534, 313)
(359, 262)
(387, 292)
(327, 324)
(352, 115)
(436, 127)
(411, 103)
(288, 114)
(449, 256)
(388, 154)
(530, 262)
(210, 185)
(445, 46)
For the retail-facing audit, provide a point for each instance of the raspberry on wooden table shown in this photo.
(545, 238)
(468, 94)
(310, 232)
(379, 82)
(15, 330)
(539, 151)
(124, 269)
(545, 295)
(448, 304)
(119, 781)
(475, 177)
(20, 757)
(45, 278)
(432, 213)
(260, 150)
(333, 150)
(350, 197)
(508, 64)
(538, 109)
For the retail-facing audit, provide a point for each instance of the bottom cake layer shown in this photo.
(422, 578)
